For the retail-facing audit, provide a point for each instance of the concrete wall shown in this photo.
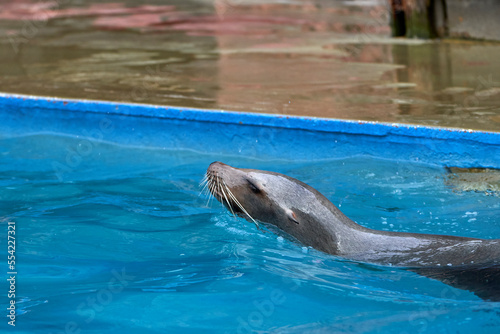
(479, 19)
(474, 19)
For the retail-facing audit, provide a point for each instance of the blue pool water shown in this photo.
(118, 239)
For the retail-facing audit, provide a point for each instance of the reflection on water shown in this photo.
(304, 57)
(474, 179)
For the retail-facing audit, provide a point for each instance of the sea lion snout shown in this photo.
(225, 173)
(217, 166)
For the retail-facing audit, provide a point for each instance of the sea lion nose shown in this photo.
(216, 166)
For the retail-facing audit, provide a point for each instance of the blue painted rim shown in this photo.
(254, 119)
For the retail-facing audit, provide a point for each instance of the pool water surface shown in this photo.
(123, 242)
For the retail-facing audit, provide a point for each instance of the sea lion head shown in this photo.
(262, 196)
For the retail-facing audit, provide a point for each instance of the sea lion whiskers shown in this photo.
(210, 187)
(204, 185)
(213, 187)
(220, 191)
(225, 197)
(207, 188)
(231, 195)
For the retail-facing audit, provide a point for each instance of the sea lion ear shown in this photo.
(292, 216)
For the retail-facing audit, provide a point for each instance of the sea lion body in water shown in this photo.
(308, 216)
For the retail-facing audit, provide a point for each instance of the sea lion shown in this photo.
(304, 213)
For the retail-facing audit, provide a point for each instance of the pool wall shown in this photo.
(261, 136)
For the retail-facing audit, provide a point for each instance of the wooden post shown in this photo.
(419, 18)
(398, 20)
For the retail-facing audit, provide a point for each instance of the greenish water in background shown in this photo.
(314, 58)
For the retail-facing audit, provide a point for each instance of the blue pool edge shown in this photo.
(294, 137)
(247, 118)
